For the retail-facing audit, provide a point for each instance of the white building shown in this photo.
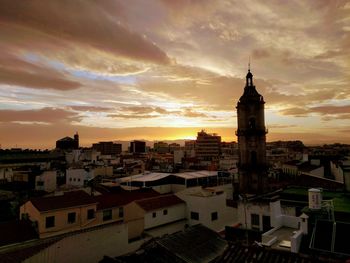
(78, 177)
(46, 181)
(208, 207)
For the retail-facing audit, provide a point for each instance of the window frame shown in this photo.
(88, 216)
(71, 220)
(50, 224)
(107, 215)
(194, 215)
(214, 216)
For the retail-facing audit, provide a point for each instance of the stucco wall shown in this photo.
(174, 213)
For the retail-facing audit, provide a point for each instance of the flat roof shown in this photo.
(148, 177)
(144, 177)
(197, 174)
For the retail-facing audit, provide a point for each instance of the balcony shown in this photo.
(251, 132)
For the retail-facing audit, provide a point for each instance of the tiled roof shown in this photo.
(69, 199)
(110, 200)
(162, 201)
(254, 253)
(196, 244)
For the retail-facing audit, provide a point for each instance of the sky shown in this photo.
(165, 69)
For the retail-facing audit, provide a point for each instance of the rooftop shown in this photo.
(122, 198)
(158, 202)
(68, 199)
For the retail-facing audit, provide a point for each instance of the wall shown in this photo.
(163, 189)
(337, 172)
(75, 177)
(134, 217)
(61, 221)
(175, 213)
(296, 241)
(196, 201)
(49, 180)
(246, 210)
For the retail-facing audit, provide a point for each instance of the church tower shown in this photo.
(251, 133)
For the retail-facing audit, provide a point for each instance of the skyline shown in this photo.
(160, 70)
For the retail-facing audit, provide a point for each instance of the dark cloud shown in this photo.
(328, 112)
(47, 115)
(193, 114)
(84, 23)
(90, 108)
(16, 71)
(143, 109)
(260, 53)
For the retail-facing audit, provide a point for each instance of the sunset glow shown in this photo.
(164, 69)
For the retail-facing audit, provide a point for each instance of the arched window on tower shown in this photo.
(251, 124)
(253, 158)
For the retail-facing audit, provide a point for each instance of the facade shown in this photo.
(157, 215)
(251, 133)
(108, 148)
(137, 147)
(78, 177)
(60, 214)
(161, 147)
(207, 206)
(46, 181)
(207, 146)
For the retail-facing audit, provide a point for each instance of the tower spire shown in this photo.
(249, 64)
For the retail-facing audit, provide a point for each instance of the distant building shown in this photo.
(68, 143)
(108, 148)
(174, 147)
(207, 146)
(137, 147)
(161, 147)
(46, 181)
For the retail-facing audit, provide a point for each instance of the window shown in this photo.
(71, 217)
(121, 212)
(214, 216)
(255, 221)
(78, 179)
(70, 179)
(165, 212)
(90, 214)
(266, 221)
(40, 183)
(154, 214)
(50, 221)
(107, 215)
(194, 215)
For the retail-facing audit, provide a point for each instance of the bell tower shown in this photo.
(251, 133)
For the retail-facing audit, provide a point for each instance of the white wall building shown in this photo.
(78, 177)
(208, 207)
(46, 181)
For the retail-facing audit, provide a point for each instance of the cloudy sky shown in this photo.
(164, 69)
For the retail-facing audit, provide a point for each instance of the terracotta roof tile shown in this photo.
(122, 198)
(162, 201)
(69, 199)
